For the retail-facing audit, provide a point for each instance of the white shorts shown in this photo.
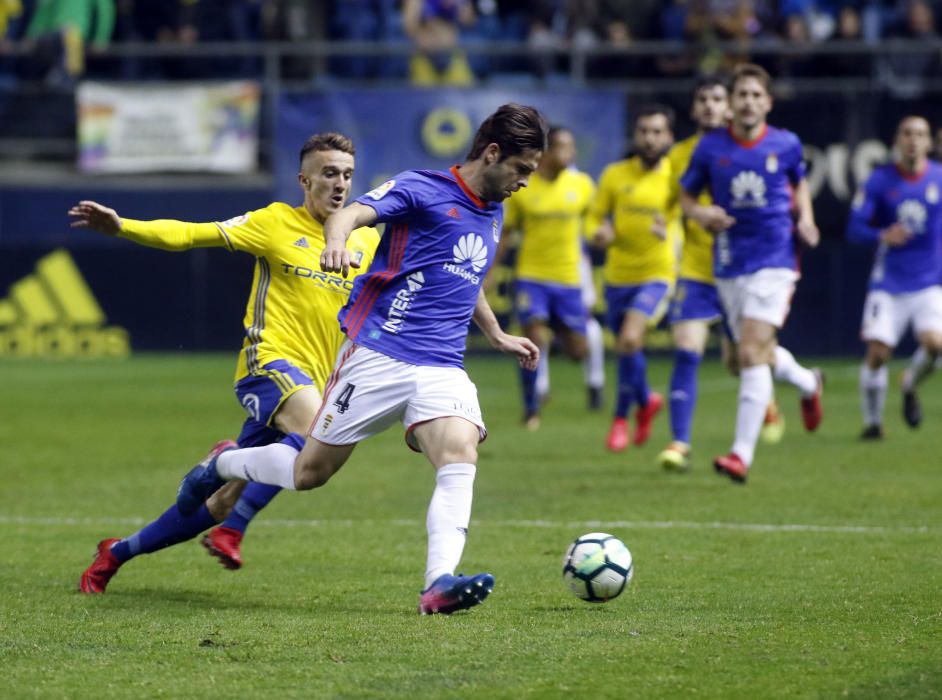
(368, 392)
(886, 316)
(764, 295)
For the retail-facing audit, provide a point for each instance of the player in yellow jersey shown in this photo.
(629, 217)
(550, 215)
(291, 336)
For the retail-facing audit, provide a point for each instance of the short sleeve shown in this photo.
(249, 232)
(697, 174)
(795, 164)
(395, 198)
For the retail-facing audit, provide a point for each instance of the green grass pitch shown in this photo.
(820, 578)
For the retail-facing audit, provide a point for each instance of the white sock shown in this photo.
(594, 363)
(788, 370)
(449, 514)
(272, 464)
(872, 394)
(755, 392)
(921, 366)
(542, 374)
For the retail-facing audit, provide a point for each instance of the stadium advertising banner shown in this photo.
(145, 128)
(395, 130)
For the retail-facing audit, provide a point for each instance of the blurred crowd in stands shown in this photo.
(58, 40)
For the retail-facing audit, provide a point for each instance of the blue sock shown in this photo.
(632, 382)
(683, 393)
(624, 386)
(169, 529)
(531, 403)
(253, 499)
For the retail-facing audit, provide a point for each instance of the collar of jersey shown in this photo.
(913, 177)
(749, 144)
(478, 202)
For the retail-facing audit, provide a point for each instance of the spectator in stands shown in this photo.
(709, 21)
(434, 27)
(906, 70)
(59, 31)
(620, 23)
(849, 28)
(797, 35)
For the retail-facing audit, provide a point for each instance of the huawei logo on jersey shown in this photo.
(912, 214)
(748, 190)
(470, 247)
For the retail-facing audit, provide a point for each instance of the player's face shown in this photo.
(750, 103)
(913, 141)
(326, 177)
(561, 152)
(502, 178)
(652, 137)
(711, 107)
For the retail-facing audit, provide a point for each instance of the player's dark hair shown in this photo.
(706, 82)
(751, 70)
(515, 128)
(554, 130)
(327, 141)
(653, 109)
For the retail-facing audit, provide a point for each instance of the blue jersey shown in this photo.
(753, 181)
(888, 196)
(417, 299)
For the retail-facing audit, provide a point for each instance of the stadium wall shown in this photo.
(194, 301)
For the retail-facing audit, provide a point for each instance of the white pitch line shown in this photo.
(569, 524)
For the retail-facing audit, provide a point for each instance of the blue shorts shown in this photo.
(261, 395)
(553, 303)
(648, 298)
(695, 301)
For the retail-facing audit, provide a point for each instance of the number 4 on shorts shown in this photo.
(343, 401)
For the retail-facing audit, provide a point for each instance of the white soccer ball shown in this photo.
(597, 567)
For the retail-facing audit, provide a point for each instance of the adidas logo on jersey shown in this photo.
(748, 190)
(302, 243)
(453, 213)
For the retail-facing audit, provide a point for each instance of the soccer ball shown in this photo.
(597, 567)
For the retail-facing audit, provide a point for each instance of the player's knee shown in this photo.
(752, 354)
(878, 355)
(628, 345)
(932, 342)
(311, 478)
(577, 349)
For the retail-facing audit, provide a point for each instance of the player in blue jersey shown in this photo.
(406, 324)
(900, 210)
(752, 171)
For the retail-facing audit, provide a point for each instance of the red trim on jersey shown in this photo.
(749, 144)
(912, 177)
(480, 203)
(378, 282)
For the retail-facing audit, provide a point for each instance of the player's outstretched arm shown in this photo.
(89, 214)
(337, 229)
(528, 354)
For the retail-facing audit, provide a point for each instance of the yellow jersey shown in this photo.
(292, 309)
(696, 257)
(551, 217)
(633, 195)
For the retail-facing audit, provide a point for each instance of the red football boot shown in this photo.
(811, 409)
(224, 543)
(732, 466)
(105, 565)
(645, 417)
(617, 439)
